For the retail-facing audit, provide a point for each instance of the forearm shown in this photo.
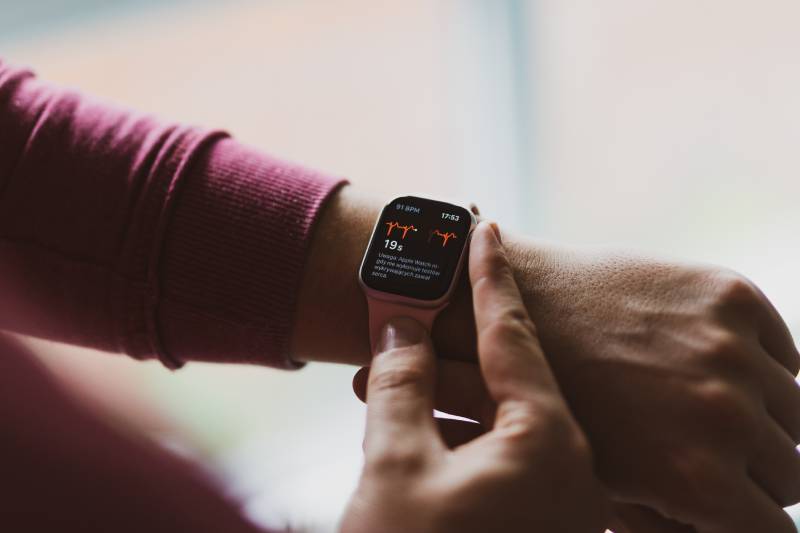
(125, 233)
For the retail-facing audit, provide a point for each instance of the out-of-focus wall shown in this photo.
(675, 127)
(324, 83)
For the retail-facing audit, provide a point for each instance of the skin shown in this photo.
(680, 375)
(528, 472)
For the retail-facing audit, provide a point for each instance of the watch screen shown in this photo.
(416, 246)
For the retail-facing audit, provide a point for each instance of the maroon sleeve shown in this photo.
(64, 470)
(127, 234)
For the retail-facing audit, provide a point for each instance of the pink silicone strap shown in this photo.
(381, 311)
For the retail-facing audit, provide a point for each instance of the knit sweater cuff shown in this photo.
(234, 254)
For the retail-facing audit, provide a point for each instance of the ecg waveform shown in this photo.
(397, 225)
(445, 236)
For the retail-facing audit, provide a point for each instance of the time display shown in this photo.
(416, 247)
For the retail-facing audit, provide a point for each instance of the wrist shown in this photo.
(532, 263)
(331, 317)
(330, 321)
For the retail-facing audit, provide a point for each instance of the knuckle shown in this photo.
(725, 407)
(513, 324)
(524, 427)
(733, 290)
(546, 425)
(523, 418)
(396, 459)
(724, 349)
(395, 377)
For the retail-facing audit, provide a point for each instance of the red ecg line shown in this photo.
(445, 236)
(393, 225)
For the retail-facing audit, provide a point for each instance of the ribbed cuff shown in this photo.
(234, 253)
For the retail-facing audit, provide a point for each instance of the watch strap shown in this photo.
(381, 311)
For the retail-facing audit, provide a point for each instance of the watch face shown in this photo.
(416, 247)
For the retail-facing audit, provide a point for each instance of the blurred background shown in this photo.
(665, 126)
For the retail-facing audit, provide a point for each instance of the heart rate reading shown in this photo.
(445, 236)
(397, 225)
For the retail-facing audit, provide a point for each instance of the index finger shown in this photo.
(510, 355)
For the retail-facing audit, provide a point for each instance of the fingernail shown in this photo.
(399, 333)
(496, 230)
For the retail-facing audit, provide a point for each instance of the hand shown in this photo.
(531, 472)
(682, 377)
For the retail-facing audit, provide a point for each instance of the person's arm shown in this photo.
(121, 233)
(128, 234)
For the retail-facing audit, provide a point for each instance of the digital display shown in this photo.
(416, 246)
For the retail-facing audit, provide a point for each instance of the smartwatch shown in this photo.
(414, 257)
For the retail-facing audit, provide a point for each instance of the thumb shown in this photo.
(400, 389)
